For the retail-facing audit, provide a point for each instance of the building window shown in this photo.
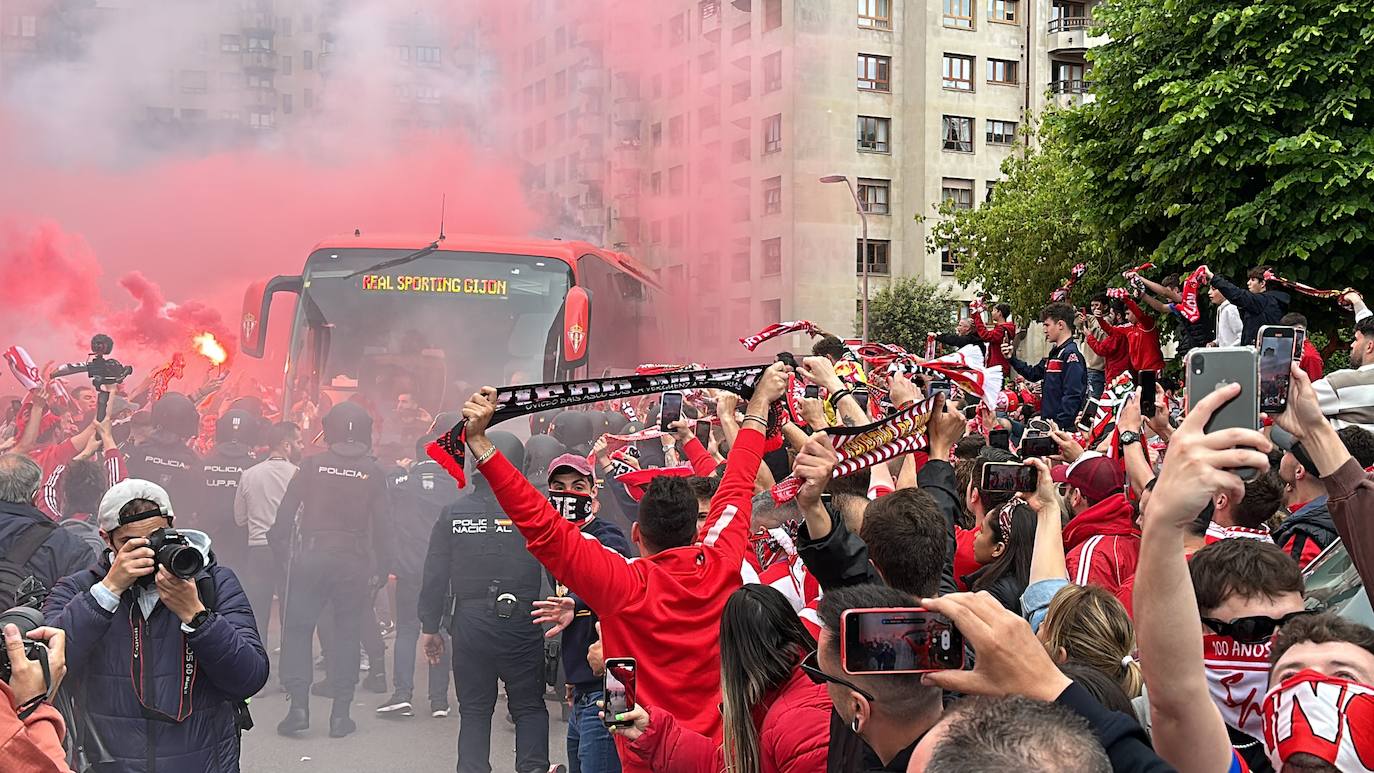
(656, 183)
(958, 72)
(772, 72)
(286, 65)
(878, 250)
(677, 180)
(772, 133)
(959, 14)
(988, 189)
(957, 131)
(875, 14)
(307, 60)
(874, 195)
(874, 72)
(427, 56)
(1001, 132)
(656, 134)
(1003, 11)
(772, 197)
(677, 130)
(772, 14)
(677, 30)
(772, 311)
(873, 133)
(739, 92)
(949, 260)
(286, 103)
(1068, 16)
(675, 234)
(1003, 71)
(739, 150)
(772, 257)
(1068, 78)
(739, 266)
(194, 81)
(958, 191)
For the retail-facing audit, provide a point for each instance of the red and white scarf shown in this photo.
(1237, 675)
(1330, 295)
(965, 368)
(1188, 306)
(1075, 273)
(778, 329)
(1330, 718)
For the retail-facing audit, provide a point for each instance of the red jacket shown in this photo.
(1104, 547)
(34, 745)
(995, 337)
(794, 735)
(663, 610)
(1115, 348)
(1311, 362)
(1143, 339)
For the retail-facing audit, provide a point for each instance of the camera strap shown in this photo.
(139, 656)
(31, 705)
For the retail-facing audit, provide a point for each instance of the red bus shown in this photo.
(393, 315)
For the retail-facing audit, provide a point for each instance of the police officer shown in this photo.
(165, 458)
(476, 553)
(236, 434)
(342, 502)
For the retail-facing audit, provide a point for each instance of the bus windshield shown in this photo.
(429, 328)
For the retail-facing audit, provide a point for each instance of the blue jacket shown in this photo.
(1065, 383)
(231, 666)
(1256, 309)
(61, 554)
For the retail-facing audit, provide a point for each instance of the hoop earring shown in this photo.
(854, 725)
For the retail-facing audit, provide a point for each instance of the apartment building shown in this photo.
(694, 133)
(237, 71)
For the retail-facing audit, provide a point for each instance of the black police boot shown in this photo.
(297, 719)
(340, 724)
(375, 681)
(322, 688)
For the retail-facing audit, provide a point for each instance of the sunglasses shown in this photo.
(810, 665)
(1256, 629)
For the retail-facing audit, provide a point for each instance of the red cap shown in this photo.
(637, 482)
(577, 464)
(1098, 477)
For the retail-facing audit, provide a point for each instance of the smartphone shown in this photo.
(1000, 438)
(1275, 361)
(703, 430)
(898, 641)
(1089, 415)
(1009, 476)
(971, 411)
(1211, 368)
(1147, 393)
(618, 689)
(1299, 341)
(670, 411)
(1038, 445)
(943, 387)
(811, 392)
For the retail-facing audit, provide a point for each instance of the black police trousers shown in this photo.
(318, 578)
(486, 648)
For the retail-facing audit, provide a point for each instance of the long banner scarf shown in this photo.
(1325, 716)
(859, 448)
(449, 450)
(977, 305)
(1120, 293)
(1075, 273)
(1109, 404)
(616, 442)
(1188, 305)
(1330, 295)
(964, 367)
(778, 329)
(1237, 675)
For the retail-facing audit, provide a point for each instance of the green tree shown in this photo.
(1021, 244)
(1233, 133)
(904, 311)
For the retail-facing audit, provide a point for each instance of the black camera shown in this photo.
(102, 369)
(172, 550)
(25, 619)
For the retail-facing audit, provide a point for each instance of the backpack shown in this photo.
(87, 531)
(16, 582)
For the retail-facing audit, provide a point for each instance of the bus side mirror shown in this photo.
(257, 302)
(576, 327)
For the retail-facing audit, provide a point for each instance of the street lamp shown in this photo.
(863, 246)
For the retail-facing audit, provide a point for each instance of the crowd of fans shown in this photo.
(1139, 607)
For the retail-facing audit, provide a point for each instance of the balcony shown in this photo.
(1072, 34)
(262, 96)
(626, 207)
(259, 59)
(1070, 93)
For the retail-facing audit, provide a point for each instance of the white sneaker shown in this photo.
(396, 707)
(440, 712)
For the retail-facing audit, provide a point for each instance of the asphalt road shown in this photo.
(421, 744)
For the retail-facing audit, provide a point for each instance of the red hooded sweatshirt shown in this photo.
(663, 610)
(995, 336)
(1104, 547)
(1114, 347)
(1143, 338)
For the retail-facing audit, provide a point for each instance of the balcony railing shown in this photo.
(260, 59)
(1070, 23)
(1069, 87)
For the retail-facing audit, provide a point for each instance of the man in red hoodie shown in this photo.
(664, 608)
(1142, 335)
(1113, 347)
(1102, 539)
(1003, 330)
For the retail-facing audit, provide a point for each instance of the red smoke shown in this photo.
(45, 275)
(159, 326)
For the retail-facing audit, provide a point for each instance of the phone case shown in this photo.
(1209, 369)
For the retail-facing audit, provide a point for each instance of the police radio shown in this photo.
(505, 606)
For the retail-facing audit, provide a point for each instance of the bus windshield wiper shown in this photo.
(416, 255)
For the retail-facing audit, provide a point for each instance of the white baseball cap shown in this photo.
(122, 493)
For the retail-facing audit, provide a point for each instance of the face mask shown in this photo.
(574, 506)
(1237, 675)
(1327, 717)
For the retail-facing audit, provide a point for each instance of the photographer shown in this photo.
(136, 629)
(31, 730)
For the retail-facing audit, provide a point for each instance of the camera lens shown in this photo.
(25, 619)
(181, 560)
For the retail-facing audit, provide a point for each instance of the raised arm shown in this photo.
(1188, 729)
(1147, 320)
(1158, 289)
(1242, 298)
